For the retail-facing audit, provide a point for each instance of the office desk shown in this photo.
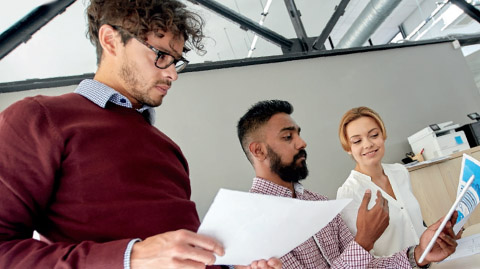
(435, 186)
(472, 262)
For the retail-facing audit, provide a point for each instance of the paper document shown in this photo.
(435, 160)
(255, 226)
(470, 166)
(466, 247)
(466, 201)
(446, 219)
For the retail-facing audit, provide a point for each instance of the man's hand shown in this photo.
(272, 263)
(443, 247)
(459, 234)
(371, 223)
(178, 249)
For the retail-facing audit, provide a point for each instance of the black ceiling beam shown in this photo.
(466, 40)
(23, 30)
(339, 11)
(468, 9)
(294, 14)
(245, 22)
(31, 84)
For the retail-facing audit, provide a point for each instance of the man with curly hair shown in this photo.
(88, 170)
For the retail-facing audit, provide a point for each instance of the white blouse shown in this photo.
(406, 223)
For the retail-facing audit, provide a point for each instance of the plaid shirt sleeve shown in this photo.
(355, 256)
(289, 261)
(333, 246)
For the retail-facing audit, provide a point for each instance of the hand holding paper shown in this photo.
(175, 249)
(256, 226)
(437, 243)
(467, 200)
(272, 263)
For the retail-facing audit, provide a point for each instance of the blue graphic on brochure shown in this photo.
(470, 166)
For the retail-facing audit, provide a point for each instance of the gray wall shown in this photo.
(409, 87)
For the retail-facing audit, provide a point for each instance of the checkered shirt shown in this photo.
(101, 94)
(331, 247)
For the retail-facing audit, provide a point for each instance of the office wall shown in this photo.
(410, 88)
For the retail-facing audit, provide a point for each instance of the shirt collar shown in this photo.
(361, 176)
(298, 188)
(268, 187)
(101, 94)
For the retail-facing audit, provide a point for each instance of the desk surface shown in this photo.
(452, 156)
(435, 186)
(471, 262)
(431, 186)
(465, 262)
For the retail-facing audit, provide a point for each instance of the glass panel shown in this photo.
(13, 11)
(58, 49)
(226, 40)
(61, 48)
(420, 20)
(445, 20)
(472, 56)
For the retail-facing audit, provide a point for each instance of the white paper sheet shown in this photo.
(255, 226)
(447, 218)
(466, 247)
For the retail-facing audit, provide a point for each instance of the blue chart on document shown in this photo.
(470, 167)
(467, 199)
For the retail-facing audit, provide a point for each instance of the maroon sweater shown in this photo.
(88, 180)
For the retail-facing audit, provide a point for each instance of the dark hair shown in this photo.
(141, 17)
(256, 117)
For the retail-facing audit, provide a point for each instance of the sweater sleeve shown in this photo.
(30, 161)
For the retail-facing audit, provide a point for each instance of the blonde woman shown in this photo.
(362, 135)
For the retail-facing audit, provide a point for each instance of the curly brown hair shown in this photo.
(140, 17)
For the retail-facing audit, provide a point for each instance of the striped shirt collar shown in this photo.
(101, 94)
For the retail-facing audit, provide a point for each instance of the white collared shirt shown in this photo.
(406, 223)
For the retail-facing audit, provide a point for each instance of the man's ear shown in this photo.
(109, 39)
(258, 150)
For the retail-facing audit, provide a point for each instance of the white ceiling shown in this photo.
(61, 49)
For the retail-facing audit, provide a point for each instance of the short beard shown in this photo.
(290, 172)
(137, 88)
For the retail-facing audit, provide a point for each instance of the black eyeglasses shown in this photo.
(164, 59)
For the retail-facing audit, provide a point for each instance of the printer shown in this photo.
(438, 140)
(472, 132)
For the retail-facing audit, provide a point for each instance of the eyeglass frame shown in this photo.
(158, 52)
